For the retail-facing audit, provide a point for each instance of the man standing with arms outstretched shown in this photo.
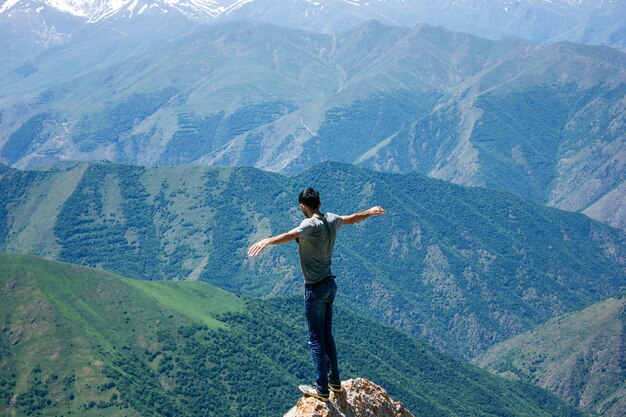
(316, 241)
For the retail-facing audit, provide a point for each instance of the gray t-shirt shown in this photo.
(315, 244)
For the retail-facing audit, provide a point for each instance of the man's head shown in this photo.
(309, 198)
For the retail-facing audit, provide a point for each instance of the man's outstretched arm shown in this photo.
(359, 217)
(274, 240)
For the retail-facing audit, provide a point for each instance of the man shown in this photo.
(316, 241)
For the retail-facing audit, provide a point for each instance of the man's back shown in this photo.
(315, 245)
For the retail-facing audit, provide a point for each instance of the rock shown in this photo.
(360, 398)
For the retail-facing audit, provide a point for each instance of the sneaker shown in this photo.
(311, 391)
(335, 386)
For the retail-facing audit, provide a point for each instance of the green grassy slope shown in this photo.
(463, 268)
(80, 341)
(64, 328)
(578, 356)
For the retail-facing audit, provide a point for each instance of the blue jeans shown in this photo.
(318, 307)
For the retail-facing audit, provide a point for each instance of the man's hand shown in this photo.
(258, 247)
(359, 217)
(377, 211)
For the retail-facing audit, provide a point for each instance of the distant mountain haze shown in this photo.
(589, 21)
(460, 267)
(545, 122)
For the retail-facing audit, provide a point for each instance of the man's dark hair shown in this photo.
(310, 198)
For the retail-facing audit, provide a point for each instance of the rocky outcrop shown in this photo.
(360, 398)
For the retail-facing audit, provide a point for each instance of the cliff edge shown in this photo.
(360, 398)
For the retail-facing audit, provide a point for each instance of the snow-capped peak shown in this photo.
(96, 10)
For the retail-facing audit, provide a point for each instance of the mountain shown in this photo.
(5, 169)
(93, 11)
(545, 122)
(540, 125)
(597, 21)
(460, 267)
(578, 356)
(79, 341)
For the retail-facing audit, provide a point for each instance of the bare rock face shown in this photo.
(360, 398)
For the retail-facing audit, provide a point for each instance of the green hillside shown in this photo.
(578, 356)
(462, 268)
(76, 341)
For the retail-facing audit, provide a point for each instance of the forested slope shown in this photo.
(461, 267)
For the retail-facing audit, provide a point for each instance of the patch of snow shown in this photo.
(132, 6)
(236, 6)
(7, 5)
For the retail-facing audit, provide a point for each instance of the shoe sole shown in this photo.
(317, 397)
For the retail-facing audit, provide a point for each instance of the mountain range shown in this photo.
(579, 356)
(546, 122)
(79, 341)
(178, 88)
(460, 267)
(590, 21)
